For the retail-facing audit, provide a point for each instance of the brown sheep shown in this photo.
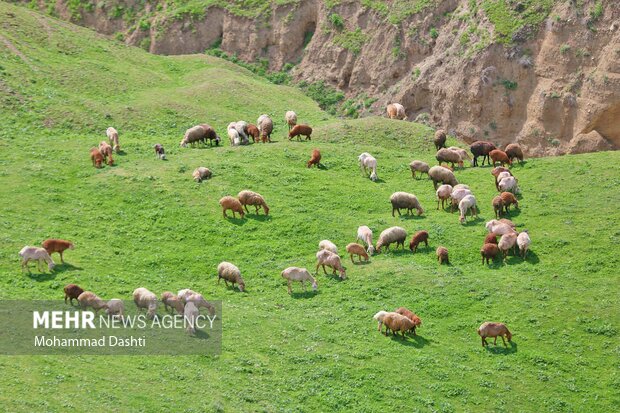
(356, 249)
(315, 159)
(404, 311)
(72, 291)
(173, 301)
(96, 157)
(491, 238)
(396, 111)
(300, 130)
(440, 139)
(513, 150)
(418, 237)
(481, 148)
(442, 255)
(488, 329)
(228, 202)
(397, 322)
(253, 132)
(253, 198)
(489, 252)
(418, 166)
(106, 151)
(497, 155)
(448, 155)
(498, 206)
(57, 245)
(509, 199)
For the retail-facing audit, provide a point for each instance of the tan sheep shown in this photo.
(145, 299)
(228, 202)
(253, 198)
(90, 299)
(442, 255)
(397, 322)
(420, 167)
(171, 300)
(230, 272)
(299, 275)
(407, 201)
(493, 330)
(357, 249)
(325, 257)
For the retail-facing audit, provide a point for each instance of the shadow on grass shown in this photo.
(43, 276)
(500, 349)
(472, 221)
(261, 218)
(236, 221)
(495, 265)
(512, 213)
(411, 216)
(410, 340)
(64, 267)
(201, 335)
(304, 294)
(322, 167)
(397, 252)
(361, 262)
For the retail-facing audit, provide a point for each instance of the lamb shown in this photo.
(368, 162)
(396, 111)
(160, 152)
(230, 272)
(233, 135)
(406, 201)
(90, 299)
(513, 150)
(265, 127)
(190, 314)
(508, 184)
(457, 195)
(449, 156)
(298, 274)
(145, 299)
(325, 257)
(357, 249)
(499, 227)
(57, 245)
(300, 130)
(315, 159)
(391, 235)
(468, 203)
(440, 139)
(252, 198)
(328, 245)
(411, 316)
(418, 166)
(96, 157)
(254, 132)
(72, 291)
(491, 238)
(442, 255)
(443, 175)
(364, 234)
(523, 241)
(201, 173)
(228, 202)
(291, 119)
(113, 138)
(462, 152)
(106, 152)
(497, 155)
(489, 252)
(506, 242)
(443, 194)
(481, 148)
(509, 199)
(418, 237)
(28, 254)
(488, 329)
(171, 300)
(115, 307)
(242, 128)
(188, 296)
(498, 206)
(397, 322)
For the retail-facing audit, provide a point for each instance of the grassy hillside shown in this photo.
(146, 223)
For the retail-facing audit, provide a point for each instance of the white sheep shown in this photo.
(508, 184)
(468, 203)
(90, 299)
(368, 162)
(523, 241)
(233, 134)
(460, 186)
(507, 241)
(242, 127)
(379, 317)
(443, 194)
(115, 307)
(498, 227)
(391, 235)
(325, 257)
(38, 254)
(462, 153)
(298, 274)
(364, 234)
(291, 119)
(457, 195)
(407, 201)
(187, 296)
(190, 314)
(112, 135)
(328, 245)
(230, 272)
(145, 299)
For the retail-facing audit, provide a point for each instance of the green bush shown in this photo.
(337, 21)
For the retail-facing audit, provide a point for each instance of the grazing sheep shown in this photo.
(468, 203)
(233, 134)
(115, 307)
(497, 155)
(298, 274)
(113, 138)
(265, 127)
(489, 252)
(418, 166)
(253, 198)
(407, 201)
(442, 255)
(417, 322)
(57, 245)
(199, 133)
(72, 291)
(506, 242)
(364, 234)
(507, 222)
(491, 238)
(106, 152)
(315, 159)
(368, 162)
(392, 235)
(210, 135)
(28, 254)
(501, 176)
(160, 152)
(460, 186)
(379, 317)
(90, 299)
(291, 119)
(513, 150)
(498, 206)
(357, 249)
(418, 237)
(396, 111)
(169, 299)
(443, 175)
(190, 314)
(254, 132)
(462, 153)
(188, 296)
(145, 299)
(509, 199)
(443, 194)
(493, 330)
(228, 202)
(242, 128)
(500, 227)
(300, 130)
(523, 241)
(325, 257)
(230, 272)
(201, 173)
(96, 157)
(440, 139)
(328, 245)
(457, 195)
(449, 156)
(496, 173)
(508, 184)
(481, 148)
(397, 322)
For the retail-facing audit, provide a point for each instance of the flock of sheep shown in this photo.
(450, 191)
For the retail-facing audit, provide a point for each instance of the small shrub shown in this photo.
(509, 84)
(564, 48)
(145, 43)
(434, 33)
(337, 21)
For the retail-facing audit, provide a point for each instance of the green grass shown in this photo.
(146, 223)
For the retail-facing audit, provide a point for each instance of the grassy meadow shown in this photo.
(144, 222)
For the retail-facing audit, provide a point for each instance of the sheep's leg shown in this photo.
(61, 259)
(352, 258)
(483, 342)
(224, 212)
(226, 282)
(65, 298)
(504, 341)
(303, 286)
(495, 341)
(325, 272)
(246, 208)
(379, 324)
(290, 291)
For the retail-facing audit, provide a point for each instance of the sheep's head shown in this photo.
(508, 335)
(462, 219)
(183, 144)
(51, 266)
(266, 209)
(420, 211)
(370, 250)
(373, 176)
(242, 286)
(343, 273)
(314, 285)
(71, 246)
(217, 140)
